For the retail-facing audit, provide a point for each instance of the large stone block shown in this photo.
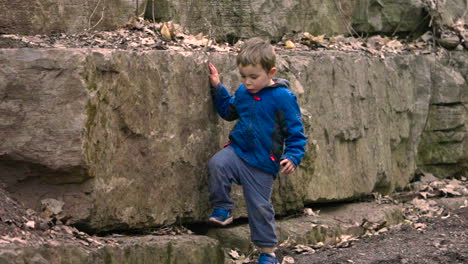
(448, 13)
(443, 148)
(431, 153)
(182, 249)
(130, 133)
(389, 16)
(328, 227)
(230, 20)
(53, 16)
(448, 85)
(42, 107)
(448, 117)
(368, 115)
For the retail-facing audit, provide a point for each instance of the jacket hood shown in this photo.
(279, 83)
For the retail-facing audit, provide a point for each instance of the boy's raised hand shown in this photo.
(288, 166)
(214, 75)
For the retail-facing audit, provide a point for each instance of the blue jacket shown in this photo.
(269, 128)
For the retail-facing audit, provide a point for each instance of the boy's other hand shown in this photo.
(288, 166)
(214, 75)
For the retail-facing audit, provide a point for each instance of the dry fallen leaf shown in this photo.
(289, 44)
(318, 245)
(289, 242)
(308, 35)
(234, 254)
(423, 194)
(165, 32)
(300, 249)
(420, 226)
(243, 260)
(288, 260)
(450, 189)
(382, 230)
(437, 184)
(465, 204)
(445, 217)
(31, 224)
(310, 212)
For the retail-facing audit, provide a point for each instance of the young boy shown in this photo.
(268, 118)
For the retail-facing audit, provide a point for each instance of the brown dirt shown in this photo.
(444, 240)
(441, 238)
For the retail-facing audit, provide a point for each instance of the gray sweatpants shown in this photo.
(226, 167)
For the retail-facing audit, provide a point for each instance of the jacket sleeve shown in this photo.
(295, 140)
(224, 103)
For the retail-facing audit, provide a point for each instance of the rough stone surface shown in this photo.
(360, 124)
(42, 111)
(230, 20)
(443, 148)
(446, 118)
(42, 115)
(448, 85)
(129, 134)
(135, 250)
(55, 16)
(389, 16)
(334, 221)
(450, 11)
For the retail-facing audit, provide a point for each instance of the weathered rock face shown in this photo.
(131, 133)
(230, 20)
(52, 16)
(134, 250)
(443, 150)
(156, 109)
(244, 19)
(42, 115)
(447, 13)
(234, 19)
(43, 97)
(389, 16)
(366, 115)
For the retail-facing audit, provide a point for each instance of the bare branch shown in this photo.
(92, 14)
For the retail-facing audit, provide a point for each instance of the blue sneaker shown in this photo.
(221, 217)
(267, 259)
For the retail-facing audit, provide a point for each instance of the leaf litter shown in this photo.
(415, 212)
(141, 35)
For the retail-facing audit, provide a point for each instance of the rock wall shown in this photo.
(55, 16)
(230, 20)
(443, 149)
(123, 138)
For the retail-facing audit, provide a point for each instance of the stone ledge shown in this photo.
(183, 249)
(334, 221)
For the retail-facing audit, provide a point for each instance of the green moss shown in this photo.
(89, 152)
(91, 112)
(169, 253)
(92, 86)
(91, 75)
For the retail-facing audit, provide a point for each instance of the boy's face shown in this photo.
(255, 78)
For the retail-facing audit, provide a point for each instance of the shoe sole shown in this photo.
(219, 223)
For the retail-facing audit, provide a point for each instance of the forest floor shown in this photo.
(434, 230)
(443, 240)
(140, 35)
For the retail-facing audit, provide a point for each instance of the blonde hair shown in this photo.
(257, 51)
